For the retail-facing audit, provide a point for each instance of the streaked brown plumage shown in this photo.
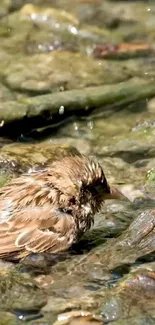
(48, 210)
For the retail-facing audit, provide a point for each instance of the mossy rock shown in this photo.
(8, 319)
(150, 182)
(48, 72)
(19, 292)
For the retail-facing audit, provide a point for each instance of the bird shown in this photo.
(48, 210)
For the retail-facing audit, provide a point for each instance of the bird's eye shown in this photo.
(92, 189)
(72, 200)
(98, 188)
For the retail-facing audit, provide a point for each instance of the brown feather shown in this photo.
(49, 209)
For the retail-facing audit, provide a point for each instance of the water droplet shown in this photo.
(90, 124)
(73, 30)
(76, 127)
(1, 123)
(61, 110)
(44, 18)
(57, 25)
(33, 16)
(51, 48)
(89, 51)
(40, 46)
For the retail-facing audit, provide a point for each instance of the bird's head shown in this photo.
(82, 184)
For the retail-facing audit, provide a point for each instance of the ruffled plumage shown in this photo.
(48, 210)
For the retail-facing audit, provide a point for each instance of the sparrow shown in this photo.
(48, 210)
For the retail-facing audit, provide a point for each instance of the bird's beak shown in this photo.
(115, 194)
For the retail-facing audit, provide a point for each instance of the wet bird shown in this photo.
(50, 209)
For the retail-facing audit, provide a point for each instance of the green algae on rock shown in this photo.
(150, 183)
(50, 72)
(4, 8)
(102, 13)
(19, 292)
(7, 318)
(45, 110)
(43, 27)
(6, 94)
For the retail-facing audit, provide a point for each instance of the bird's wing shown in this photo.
(37, 229)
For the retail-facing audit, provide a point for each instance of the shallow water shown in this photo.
(44, 50)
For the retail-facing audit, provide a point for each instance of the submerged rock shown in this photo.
(6, 94)
(120, 299)
(135, 320)
(129, 297)
(53, 52)
(60, 70)
(134, 243)
(44, 29)
(130, 149)
(4, 8)
(19, 292)
(7, 318)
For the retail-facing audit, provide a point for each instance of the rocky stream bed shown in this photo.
(80, 75)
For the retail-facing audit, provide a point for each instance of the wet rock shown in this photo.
(52, 109)
(61, 303)
(119, 171)
(95, 287)
(39, 59)
(105, 13)
(136, 320)
(58, 70)
(129, 297)
(148, 265)
(7, 318)
(5, 6)
(18, 292)
(81, 144)
(133, 193)
(44, 29)
(119, 299)
(32, 22)
(143, 67)
(150, 183)
(50, 13)
(135, 242)
(151, 105)
(134, 144)
(6, 94)
(94, 12)
(78, 318)
(130, 150)
(144, 126)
